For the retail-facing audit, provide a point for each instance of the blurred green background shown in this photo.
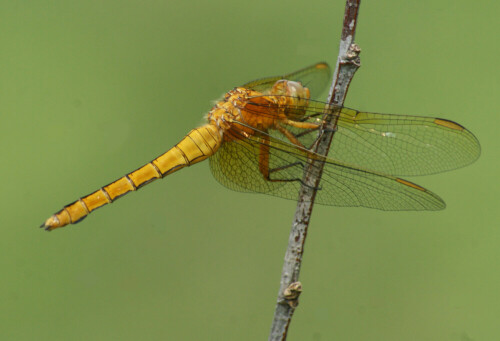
(90, 90)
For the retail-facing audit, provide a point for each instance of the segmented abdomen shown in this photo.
(196, 146)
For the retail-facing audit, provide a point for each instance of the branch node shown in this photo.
(352, 55)
(291, 294)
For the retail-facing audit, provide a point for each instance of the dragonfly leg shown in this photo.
(264, 160)
(264, 157)
(293, 139)
(289, 135)
(264, 163)
(308, 129)
(311, 126)
(302, 125)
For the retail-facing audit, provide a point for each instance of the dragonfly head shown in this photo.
(294, 94)
(285, 87)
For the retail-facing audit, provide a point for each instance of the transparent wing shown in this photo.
(236, 166)
(314, 77)
(403, 145)
(385, 143)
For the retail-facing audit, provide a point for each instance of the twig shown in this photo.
(290, 288)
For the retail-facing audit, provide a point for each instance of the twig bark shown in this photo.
(290, 288)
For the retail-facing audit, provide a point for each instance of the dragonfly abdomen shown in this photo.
(196, 146)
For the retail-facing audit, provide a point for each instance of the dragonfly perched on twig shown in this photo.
(259, 139)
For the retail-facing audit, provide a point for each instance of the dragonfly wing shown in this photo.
(402, 145)
(342, 185)
(314, 77)
(391, 144)
(236, 166)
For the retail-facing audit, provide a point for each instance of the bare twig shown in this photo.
(290, 288)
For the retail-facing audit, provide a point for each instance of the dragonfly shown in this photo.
(259, 138)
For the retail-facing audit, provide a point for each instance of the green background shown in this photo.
(90, 90)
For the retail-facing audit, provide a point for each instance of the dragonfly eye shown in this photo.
(295, 89)
(290, 89)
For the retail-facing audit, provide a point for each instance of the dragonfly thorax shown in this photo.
(245, 112)
(235, 120)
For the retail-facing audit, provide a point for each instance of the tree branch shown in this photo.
(290, 288)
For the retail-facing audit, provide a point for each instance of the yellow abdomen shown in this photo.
(198, 145)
